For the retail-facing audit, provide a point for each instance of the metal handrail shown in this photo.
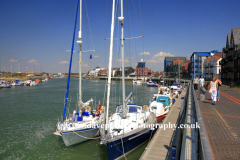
(192, 146)
(206, 149)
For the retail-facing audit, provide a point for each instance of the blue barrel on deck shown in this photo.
(80, 118)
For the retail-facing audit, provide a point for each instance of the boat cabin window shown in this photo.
(119, 109)
(132, 109)
(117, 130)
(162, 100)
(153, 107)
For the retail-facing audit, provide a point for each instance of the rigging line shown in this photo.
(118, 48)
(141, 27)
(89, 24)
(86, 137)
(123, 150)
(141, 17)
(105, 90)
(70, 66)
(136, 14)
(128, 34)
(86, 28)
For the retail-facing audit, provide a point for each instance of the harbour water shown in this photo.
(28, 117)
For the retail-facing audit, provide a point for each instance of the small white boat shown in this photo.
(17, 83)
(160, 106)
(151, 84)
(30, 83)
(135, 81)
(4, 84)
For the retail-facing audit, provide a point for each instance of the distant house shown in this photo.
(102, 72)
(150, 73)
(127, 71)
(231, 57)
(94, 72)
(176, 67)
(114, 71)
(212, 67)
(197, 60)
(141, 69)
(161, 74)
(185, 69)
(167, 66)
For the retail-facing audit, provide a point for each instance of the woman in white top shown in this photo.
(213, 89)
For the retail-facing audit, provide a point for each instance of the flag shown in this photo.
(90, 56)
(99, 105)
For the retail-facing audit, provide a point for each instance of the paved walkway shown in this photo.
(222, 123)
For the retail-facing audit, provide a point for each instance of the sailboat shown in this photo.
(124, 131)
(82, 124)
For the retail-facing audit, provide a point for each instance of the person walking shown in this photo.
(218, 89)
(201, 81)
(195, 83)
(213, 89)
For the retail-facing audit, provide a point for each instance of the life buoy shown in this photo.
(88, 108)
(145, 107)
(102, 108)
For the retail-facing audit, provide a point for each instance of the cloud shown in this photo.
(145, 53)
(23, 58)
(63, 62)
(162, 54)
(31, 61)
(95, 56)
(120, 60)
(12, 60)
(159, 57)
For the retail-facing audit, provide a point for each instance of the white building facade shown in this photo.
(212, 67)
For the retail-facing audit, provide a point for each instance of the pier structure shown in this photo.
(166, 136)
(210, 131)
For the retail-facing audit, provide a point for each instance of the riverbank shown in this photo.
(21, 78)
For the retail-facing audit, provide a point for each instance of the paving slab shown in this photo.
(222, 123)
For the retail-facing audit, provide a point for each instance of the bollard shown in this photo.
(182, 102)
(231, 84)
(202, 92)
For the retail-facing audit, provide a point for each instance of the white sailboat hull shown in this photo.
(71, 138)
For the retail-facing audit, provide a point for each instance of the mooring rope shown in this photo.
(86, 137)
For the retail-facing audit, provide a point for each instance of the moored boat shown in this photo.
(82, 125)
(127, 128)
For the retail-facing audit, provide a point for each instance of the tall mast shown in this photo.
(80, 57)
(11, 69)
(33, 69)
(26, 70)
(123, 71)
(19, 69)
(110, 60)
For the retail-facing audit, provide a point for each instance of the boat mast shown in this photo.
(110, 60)
(80, 58)
(19, 69)
(123, 70)
(33, 69)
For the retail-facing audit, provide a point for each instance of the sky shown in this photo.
(42, 31)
